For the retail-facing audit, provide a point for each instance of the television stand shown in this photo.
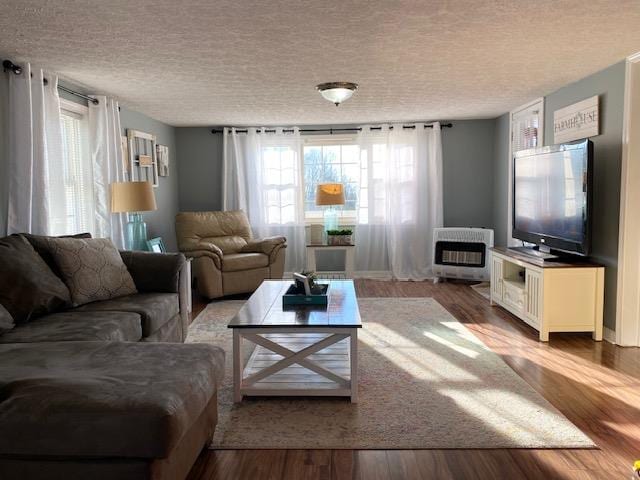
(533, 252)
(549, 295)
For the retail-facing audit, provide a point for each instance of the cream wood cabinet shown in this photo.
(549, 296)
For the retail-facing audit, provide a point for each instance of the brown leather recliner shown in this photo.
(226, 259)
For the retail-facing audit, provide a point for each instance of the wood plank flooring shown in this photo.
(595, 385)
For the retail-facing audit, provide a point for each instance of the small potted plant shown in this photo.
(339, 237)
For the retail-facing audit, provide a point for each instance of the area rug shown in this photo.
(425, 382)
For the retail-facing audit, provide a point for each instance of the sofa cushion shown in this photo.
(244, 261)
(6, 320)
(103, 399)
(155, 309)
(28, 287)
(92, 269)
(78, 326)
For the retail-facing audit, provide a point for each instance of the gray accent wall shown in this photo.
(160, 223)
(199, 169)
(608, 84)
(501, 180)
(468, 159)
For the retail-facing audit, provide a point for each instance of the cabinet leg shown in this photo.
(597, 335)
(544, 336)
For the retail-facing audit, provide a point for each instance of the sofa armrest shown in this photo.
(154, 272)
(269, 246)
(204, 249)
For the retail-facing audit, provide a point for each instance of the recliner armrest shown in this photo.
(269, 246)
(154, 272)
(204, 249)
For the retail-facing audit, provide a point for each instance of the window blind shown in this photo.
(70, 178)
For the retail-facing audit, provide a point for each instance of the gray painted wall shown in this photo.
(501, 180)
(160, 222)
(199, 169)
(609, 85)
(468, 158)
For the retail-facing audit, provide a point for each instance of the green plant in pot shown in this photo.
(340, 237)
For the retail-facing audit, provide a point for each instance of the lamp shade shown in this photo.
(132, 197)
(330, 194)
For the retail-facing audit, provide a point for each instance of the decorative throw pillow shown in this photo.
(92, 269)
(28, 287)
(6, 320)
(39, 243)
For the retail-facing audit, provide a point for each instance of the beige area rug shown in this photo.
(425, 382)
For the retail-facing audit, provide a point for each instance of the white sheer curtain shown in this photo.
(35, 136)
(262, 175)
(400, 201)
(108, 167)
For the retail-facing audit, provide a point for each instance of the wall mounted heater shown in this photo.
(462, 253)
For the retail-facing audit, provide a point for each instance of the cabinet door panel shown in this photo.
(496, 278)
(533, 296)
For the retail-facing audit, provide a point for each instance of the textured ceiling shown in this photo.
(257, 62)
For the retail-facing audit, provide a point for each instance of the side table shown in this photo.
(349, 263)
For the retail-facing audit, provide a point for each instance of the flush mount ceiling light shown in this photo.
(337, 92)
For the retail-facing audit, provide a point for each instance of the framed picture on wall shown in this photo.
(163, 160)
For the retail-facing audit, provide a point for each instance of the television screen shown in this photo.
(551, 196)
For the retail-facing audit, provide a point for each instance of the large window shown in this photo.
(333, 160)
(70, 184)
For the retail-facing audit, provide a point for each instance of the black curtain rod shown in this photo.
(331, 130)
(17, 69)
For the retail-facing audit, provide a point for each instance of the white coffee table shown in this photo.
(299, 351)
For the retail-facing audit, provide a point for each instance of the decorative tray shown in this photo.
(296, 296)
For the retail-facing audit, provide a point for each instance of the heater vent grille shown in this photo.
(462, 253)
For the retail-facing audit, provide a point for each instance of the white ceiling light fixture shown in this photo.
(337, 92)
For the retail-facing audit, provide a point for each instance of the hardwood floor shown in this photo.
(594, 384)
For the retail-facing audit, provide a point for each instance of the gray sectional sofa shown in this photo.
(106, 390)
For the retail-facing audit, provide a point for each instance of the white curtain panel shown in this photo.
(400, 201)
(35, 136)
(262, 175)
(108, 166)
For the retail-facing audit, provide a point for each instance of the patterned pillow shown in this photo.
(92, 269)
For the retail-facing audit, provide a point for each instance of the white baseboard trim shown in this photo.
(609, 335)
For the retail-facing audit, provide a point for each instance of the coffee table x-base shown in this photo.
(306, 351)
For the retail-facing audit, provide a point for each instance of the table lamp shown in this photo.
(133, 198)
(330, 195)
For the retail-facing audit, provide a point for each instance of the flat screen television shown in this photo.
(552, 196)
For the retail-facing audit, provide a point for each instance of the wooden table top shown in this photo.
(264, 308)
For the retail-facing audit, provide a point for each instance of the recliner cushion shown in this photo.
(244, 261)
(155, 309)
(103, 399)
(78, 326)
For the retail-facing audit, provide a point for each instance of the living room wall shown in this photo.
(609, 85)
(160, 222)
(468, 158)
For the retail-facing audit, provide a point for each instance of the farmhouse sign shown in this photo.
(576, 121)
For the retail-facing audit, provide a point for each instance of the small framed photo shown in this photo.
(156, 245)
(163, 160)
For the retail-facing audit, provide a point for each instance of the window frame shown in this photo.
(81, 112)
(327, 141)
